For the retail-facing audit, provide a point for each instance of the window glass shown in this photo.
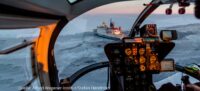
(15, 68)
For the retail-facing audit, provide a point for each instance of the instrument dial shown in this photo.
(128, 51)
(153, 59)
(142, 60)
(141, 51)
(142, 68)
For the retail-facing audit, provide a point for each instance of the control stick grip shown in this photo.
(185, 80)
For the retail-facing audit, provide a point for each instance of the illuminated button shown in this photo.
(142, 68)
(152, 67)
(148, 48)
(134, 51)
(141, 51)
(131, 58)
(133, 45)
(128, 51)
(136, 61)
(153, 59)
(138, 40)
(142, 60)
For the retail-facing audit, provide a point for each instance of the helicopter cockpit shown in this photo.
(135, 62)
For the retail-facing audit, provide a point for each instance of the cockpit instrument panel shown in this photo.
(141, 52)
(133, 61)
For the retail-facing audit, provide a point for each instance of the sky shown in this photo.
(134, 7)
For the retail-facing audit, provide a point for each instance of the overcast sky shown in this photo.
(132, 7)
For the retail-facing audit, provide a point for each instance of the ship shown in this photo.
(109, 32)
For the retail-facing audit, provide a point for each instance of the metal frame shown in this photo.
(145, 13)
(16, 48)
(5, 9)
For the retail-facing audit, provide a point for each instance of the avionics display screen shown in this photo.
(167, 35)
(167, 65)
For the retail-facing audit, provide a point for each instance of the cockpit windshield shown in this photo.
(79, 45)
(83, 42)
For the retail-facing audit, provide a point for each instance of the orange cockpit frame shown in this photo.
(44, 53)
